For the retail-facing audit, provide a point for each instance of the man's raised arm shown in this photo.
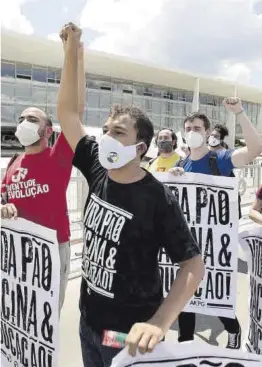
(68, 99)
(243, 156)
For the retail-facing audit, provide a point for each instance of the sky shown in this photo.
(217, 38)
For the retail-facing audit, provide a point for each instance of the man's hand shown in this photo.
(233, 104)
(8, 211)
(177, 171)
(70, 33)
(144, 336)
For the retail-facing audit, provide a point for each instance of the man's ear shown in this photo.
(141, 148)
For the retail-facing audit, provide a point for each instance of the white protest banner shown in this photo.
(251, 242)
(189, 354)
(210, 207)
(30, 278)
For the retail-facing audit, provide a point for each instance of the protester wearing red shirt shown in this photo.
(35, 183)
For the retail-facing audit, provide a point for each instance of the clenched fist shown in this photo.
(233, 104)
(8, 211)
(70, 33)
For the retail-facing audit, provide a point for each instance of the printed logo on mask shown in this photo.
(112, 157)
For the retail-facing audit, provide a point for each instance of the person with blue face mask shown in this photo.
(197, 130)
(128, 217)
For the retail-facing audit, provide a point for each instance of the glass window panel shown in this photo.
(24, 69)
(23, 91)
(105, 100)
(93, 99)
(127, 99)
(209, 112)
(148, 104)
(52, 112)
(93, 118)
(92, 84)
(39, 95)
(139, 89)
(7, 113)
(203, 99)
(182, 96)
(127, 88)
(58, 75)
(156, 122)
(189, 96)
(188, 108)
(39, 74)
(157, 92)
(52, 91)
(156, 107)
(103, 117)
(138, 102)
(7, 91)
(7, 70)
(117, 86)
(116, 99)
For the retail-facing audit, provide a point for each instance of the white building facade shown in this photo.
(31, 72)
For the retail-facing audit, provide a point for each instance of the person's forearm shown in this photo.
(67, 102)
(81, 86)
(183, 288)
(251, 135)
(255, 216)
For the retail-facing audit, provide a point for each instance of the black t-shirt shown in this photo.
(125, 225)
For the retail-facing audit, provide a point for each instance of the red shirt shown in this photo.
(259, 193)
(36, 184)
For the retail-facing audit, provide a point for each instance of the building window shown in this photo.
(148, 104)
(39, 74)
(127, 88)
(7, 91)
(116, 99)
(39, 95)
(51, 76)
(23, 71)
(138, 102)
(23, 91)
(7, 70)
(93, 99)
(7, 113)
(127, 99)
(105, 100)
(93, 118)
(103, 117)
(157, 92)
(139, 89)
(148, 92)
(156, 107)
(156, 122)
(52, 91)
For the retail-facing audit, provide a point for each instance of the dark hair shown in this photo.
(173, 136)
(222, 130)
(142, 124)
(49, 121)
(198, 115)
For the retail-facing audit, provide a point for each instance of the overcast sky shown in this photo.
(219, 38)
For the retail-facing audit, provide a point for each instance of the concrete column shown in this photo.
(231, 124)
(195, 102)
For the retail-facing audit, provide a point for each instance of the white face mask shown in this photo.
(27, 133)
(113, 154)
(213, 142)
(194, 140)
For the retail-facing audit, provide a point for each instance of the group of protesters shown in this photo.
(143, 212)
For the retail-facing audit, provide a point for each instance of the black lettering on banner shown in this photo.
(207, 209)
(8, 257)
(209, 248)
(201, 202)
(27, 323)
(103, 225)
(224, 257)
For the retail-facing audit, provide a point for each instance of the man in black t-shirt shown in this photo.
(128, 217)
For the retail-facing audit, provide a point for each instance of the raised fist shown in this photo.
(233, 104)
(70, 32)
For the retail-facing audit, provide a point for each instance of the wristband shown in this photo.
(239, 113)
